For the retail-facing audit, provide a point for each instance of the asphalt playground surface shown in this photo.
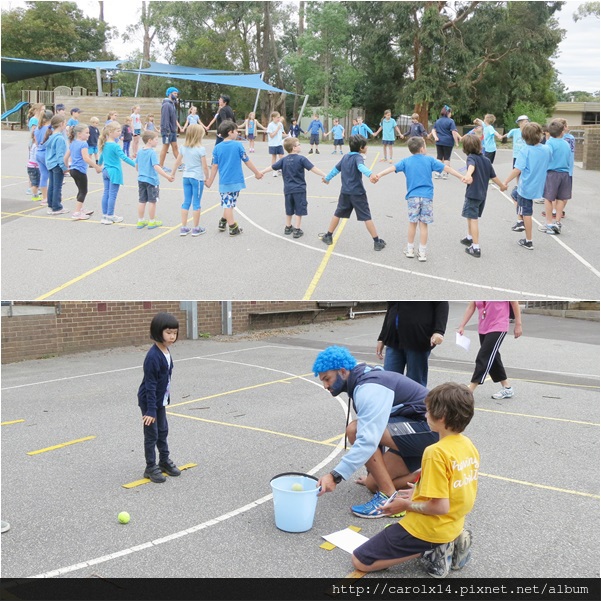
(53, 258)
(248, 408)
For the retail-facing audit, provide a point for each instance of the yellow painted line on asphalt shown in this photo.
(338, 437)
(83, 276)
(61, 446)
(16, 421)
(135, 483)
(254, 429)
(324, 262)
(219, 394)
(555, 419)
(523, 482)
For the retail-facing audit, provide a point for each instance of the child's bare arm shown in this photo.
(403, 502)
(209, 181)
(499, 183)
(449, 169)
(515, 172)
(266, 170)
(205, 168)
(318, 171)
(252, 167)
(163, 173)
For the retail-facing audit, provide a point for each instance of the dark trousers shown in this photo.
(81, 181)
(55, 188)
(488, 360)
(416, 363)
(155, 437)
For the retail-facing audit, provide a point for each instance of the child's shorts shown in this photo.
(251, 136)
(411, 438)
(314, 139)
(169, 138)
(420, 209)
(558, 186)
(393, 542)
(228, 199)
(387, 142)
(443, 153)
(524, 206)
(296, 204)
(339, 142)
(137, 132)
(147, 192)
(472, 208)
(34, 176)
(92, 149)
(348, 202)
(276, 150)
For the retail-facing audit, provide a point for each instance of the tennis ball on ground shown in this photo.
(296, 486)
(123, 517)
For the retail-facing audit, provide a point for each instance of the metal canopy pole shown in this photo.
(99, 81)
(257, 98)
(138, 81)
(191, 309)
(299, 116)
(226, 318)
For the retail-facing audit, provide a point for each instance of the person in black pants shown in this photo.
(410, 331)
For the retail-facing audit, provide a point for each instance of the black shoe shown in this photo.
(169, 468)
(466, 241)
(316, 151)
(154, 474)
(235, 231)
(519, 227)
(222, 224)
(474, 252)
(524, 244)
(311, 151)
(288, 230)
(297, 233)
(379, 244)
(326, 238)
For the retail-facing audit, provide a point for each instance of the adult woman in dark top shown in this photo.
(410, 331)
(445, 135)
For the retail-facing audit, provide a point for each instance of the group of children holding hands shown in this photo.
(61, 147)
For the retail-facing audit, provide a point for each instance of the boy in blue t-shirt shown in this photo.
(352, 193)
(147, 165)
(337, 132)
(293, 168)
(490, 133)
(73, 121)
(479, 172)
(388, 127)
(531, 167)
(313, 130)
(558, 185)
(227, 160)
(418, 170)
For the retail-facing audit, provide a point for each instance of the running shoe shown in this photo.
(462, 551)
(504, 393)
(438, 561)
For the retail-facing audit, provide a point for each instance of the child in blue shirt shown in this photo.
(558, 185)
(111, 156)
(293, 168)
(515, 135)
(531, 166)
(56, 147)
(147, 165)
(93, 139)
(418, 170)
(73, 121)
(313, 130)
(337, 132)
(490, 133)
(479, 172)
(352, 193)
(388, 127)
(363, 129)
(416, 129)
(227, 160)
(154, 396)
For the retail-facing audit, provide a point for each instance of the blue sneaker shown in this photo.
(370, 509)
(462, 552)
(438, 561)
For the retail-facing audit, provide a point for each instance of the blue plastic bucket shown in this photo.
(294, 510)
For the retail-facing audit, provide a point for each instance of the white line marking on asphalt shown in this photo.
(226, 516)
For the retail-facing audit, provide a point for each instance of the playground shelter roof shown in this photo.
(16, 69)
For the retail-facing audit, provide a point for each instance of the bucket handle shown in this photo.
(296, 474)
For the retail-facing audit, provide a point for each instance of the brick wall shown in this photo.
(94, 325)
(590, 151)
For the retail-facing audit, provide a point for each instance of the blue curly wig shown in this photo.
(334, 357)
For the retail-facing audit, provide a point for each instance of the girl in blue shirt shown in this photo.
(80, 160)
(111, 156)
(40, 138)
(56, 147)
(489, 145)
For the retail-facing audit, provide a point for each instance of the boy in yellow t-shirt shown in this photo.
(441, 498)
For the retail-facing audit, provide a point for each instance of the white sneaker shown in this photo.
(504, 393)
(106, 221)
(115, 218)
(275, 174)
(409, 253)
(421, 256)
(436, 175)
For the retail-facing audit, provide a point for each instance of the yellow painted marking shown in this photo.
(355, 528)
(327, 546)
(113, 260)
(334, 438)
(13, 177)
(16, 421)
(212, 421)
(60, 446)
(356, 574)
(324, 262)
(565, 490)
(213, 396)
(147, 480)
(36, 205)
(556, 419)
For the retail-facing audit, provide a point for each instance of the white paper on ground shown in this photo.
(462, 341)
(347, 540)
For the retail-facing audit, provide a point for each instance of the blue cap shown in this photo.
(171, 91)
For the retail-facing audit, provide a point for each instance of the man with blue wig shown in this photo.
(390, 412)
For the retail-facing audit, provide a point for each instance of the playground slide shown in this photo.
(13, 110)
